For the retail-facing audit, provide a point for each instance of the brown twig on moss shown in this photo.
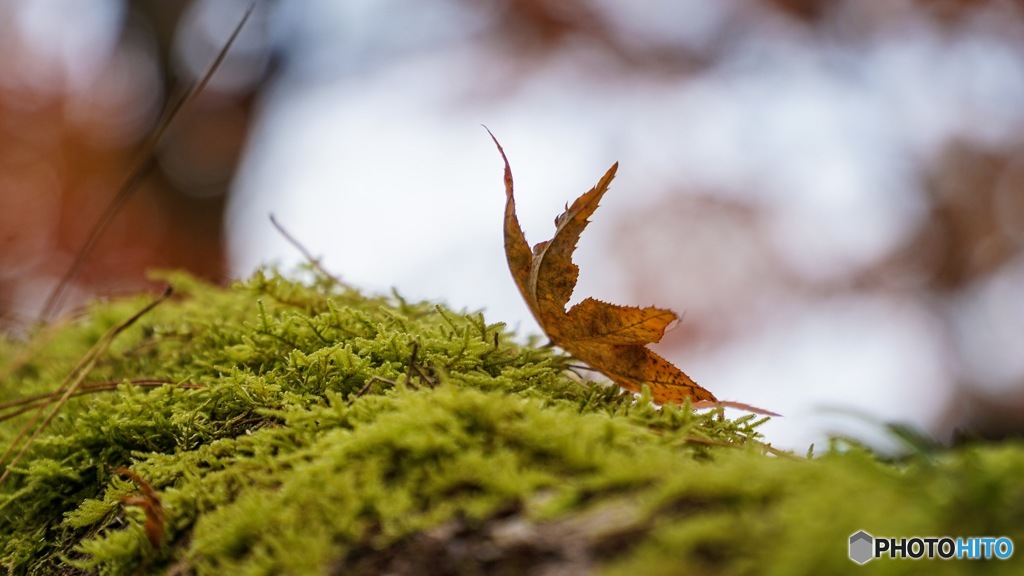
(313, 261)
(70, 385)
(22, 405)
(371, 381)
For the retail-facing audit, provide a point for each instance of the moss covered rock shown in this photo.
(304, 428)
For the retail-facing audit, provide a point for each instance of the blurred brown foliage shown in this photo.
(67, 147)
(64, 152)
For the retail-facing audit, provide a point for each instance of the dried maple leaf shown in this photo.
(612, 339)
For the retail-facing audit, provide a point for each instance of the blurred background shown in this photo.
(831, 191)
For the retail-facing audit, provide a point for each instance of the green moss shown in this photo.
(306, 429)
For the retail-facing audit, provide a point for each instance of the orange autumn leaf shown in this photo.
(610, 338)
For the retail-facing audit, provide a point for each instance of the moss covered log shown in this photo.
(304, 428)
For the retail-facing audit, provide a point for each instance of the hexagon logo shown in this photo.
(861, 545)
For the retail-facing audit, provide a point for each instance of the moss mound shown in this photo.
(303, 428)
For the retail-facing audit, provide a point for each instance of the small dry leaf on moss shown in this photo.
(150, 503)
(610, 338)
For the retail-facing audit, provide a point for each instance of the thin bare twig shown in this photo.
(370, 382)
(71, 384)
(305, 253)
(27, 403)
(143, 162)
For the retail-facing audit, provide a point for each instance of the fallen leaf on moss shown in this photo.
(150, 503)
(610, 338)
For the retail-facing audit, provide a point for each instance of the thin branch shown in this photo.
(27, 403)
(315, 262)
(144, 161)
(71, 384)
(369, 383)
